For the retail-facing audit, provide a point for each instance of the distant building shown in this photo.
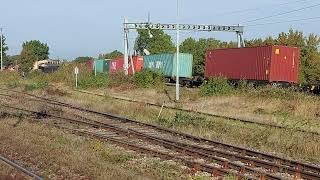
(47, 66)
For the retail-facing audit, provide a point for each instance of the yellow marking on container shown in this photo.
(277, 51)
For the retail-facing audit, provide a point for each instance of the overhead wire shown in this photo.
(284, 13)
(287, 21)
(259, 8)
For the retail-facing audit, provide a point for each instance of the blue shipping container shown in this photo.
(166, 64)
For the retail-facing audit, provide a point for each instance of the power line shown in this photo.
(278, 22)
(259, 8)
(283, 13)
(254, 8)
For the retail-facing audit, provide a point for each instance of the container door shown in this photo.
(285, 64)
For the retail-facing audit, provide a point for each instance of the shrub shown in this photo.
(118, 79)
(92, 81)
(148, 79)
(35, 86)
(215, 87)
(185, 119)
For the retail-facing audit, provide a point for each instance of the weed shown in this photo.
(215, 87)
(148, 79)
(92, 81)
(35, 86)
(184, 119)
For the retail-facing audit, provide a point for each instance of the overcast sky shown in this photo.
(75, 28)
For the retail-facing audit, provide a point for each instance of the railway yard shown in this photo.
(190, 151)
(177, 101)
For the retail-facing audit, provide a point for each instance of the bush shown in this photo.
(118, 79)
(37, 85)
(148, 79)
(92, 81)
(185, 119)
(215, 87)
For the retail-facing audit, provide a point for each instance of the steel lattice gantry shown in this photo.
(239, 30)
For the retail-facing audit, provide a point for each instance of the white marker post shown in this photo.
(76, 72)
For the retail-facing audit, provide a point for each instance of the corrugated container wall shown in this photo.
(267, 63)
(101, 65)
(166, 64)
(116, 65)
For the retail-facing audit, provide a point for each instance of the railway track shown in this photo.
(202, 113)
(237, 160)
(20, 168)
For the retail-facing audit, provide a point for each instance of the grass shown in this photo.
(58, 155)
(284, 142)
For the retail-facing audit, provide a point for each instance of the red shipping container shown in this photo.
(89, 64)
(267, 63)
(116, 65)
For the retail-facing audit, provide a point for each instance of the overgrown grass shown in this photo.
(215, 87)
(92, 81)
(149, 79)
(35, 86)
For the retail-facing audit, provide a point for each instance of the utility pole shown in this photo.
(1, 50)
(126, 49)
(178, 54)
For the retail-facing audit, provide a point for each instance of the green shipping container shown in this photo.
(102, 65)
(166, 64)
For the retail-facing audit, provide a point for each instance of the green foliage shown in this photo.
(215, 87)
(119, 79)
(82, 59)
(5, 48)
(12, 60)
(32, 51)
(113, 55)
(185, 119)
(36, 85)
(159, 43)
(148, 78)
(10, 79)
(275, 92)
(198, 48)
(91, 81)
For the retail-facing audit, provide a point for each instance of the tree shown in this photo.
(199, 48)
(82, 59)
(32, 51)
(113, 55)
(158, 43)
(6, 60)
(13, 60)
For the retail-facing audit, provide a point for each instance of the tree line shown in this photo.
(156, 41)
(309, 71)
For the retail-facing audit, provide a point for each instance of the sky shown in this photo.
(73, 28)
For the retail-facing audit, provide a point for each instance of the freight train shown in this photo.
(276, 65)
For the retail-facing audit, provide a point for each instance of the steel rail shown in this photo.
(202, 113)
(290, 163)
(215, 171)
(200, 151)
(20, 168)
(189, 163)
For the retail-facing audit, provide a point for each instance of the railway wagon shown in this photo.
(166, 64)
(116, 65)
(270, 64)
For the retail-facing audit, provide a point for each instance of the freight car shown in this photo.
(166, 64)
(267, 64)
(116, 65)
